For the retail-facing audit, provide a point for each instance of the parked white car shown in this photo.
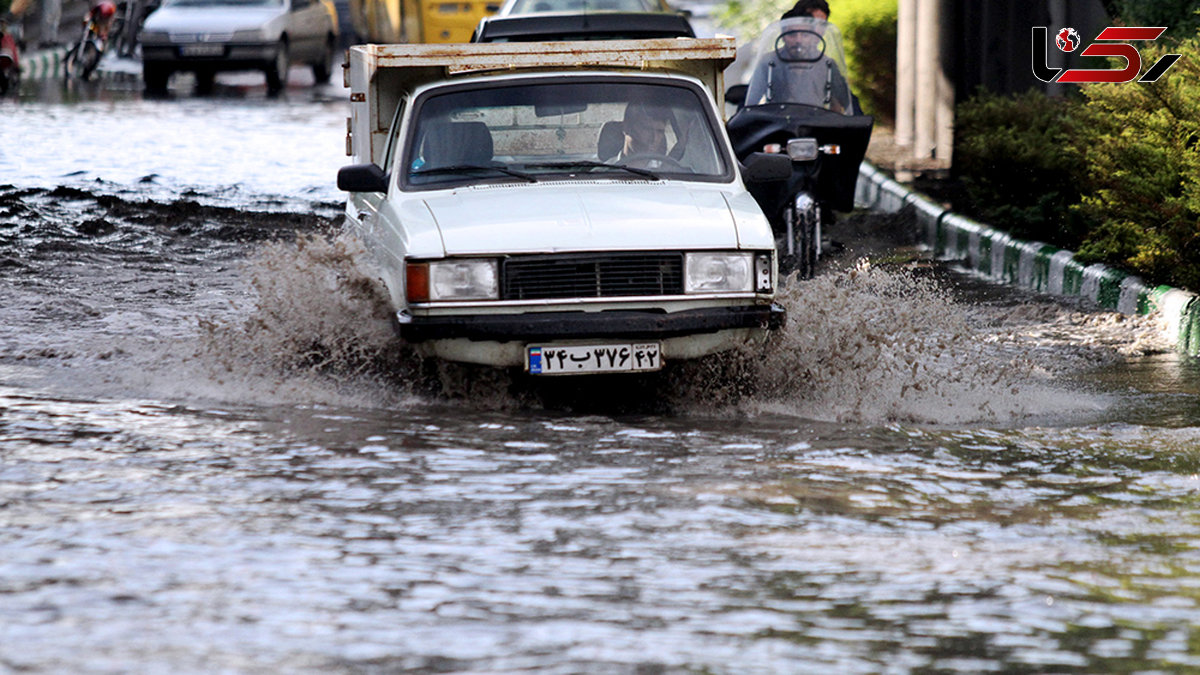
(207, 36)
(515, 224)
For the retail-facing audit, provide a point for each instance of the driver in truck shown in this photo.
(645, 129)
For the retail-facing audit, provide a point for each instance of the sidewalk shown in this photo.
(1036, 266)
(884, 154)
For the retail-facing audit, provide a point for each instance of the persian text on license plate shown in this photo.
(583, 359)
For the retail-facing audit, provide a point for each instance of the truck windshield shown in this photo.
(614, 128)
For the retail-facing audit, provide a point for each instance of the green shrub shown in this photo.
(869, 31)
(1182, 17)
(1019, 167)
(1140, 144)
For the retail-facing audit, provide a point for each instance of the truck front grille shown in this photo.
(591, 275)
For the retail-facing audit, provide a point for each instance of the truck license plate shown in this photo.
(584, 359)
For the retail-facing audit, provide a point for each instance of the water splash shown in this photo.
(319, 319)
(865, 344)
(872, 345)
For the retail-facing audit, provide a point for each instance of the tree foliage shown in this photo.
(1140, 145)
(1113, 174)
(1019, 167)
(1182, 17)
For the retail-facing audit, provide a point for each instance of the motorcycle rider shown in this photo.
(801, 73)
(101, 15)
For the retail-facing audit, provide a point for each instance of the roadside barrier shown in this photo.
(42, 64)
(1032, 265)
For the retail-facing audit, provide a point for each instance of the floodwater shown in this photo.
(215, 457)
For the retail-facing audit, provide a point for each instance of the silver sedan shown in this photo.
(207, 36)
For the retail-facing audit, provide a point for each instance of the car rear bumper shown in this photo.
(231, 57)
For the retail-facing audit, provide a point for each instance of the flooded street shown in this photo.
(215, 456)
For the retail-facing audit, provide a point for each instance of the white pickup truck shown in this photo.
(563, 207)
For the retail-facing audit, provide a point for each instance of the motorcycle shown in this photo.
(84, 56)
(10, 58)
(793, 97)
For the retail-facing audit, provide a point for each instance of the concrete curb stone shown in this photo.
(42, 64)
(1032, 265)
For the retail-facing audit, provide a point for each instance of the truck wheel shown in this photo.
(277, 70)
(323, 69)
(155, 77)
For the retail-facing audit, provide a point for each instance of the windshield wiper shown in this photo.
(589, 164)
(462, 168)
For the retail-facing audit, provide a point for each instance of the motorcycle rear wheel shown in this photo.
(81, 61)
(803, 213)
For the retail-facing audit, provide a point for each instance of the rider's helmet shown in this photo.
(105, 9)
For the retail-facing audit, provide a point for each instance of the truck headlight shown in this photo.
(718, 272)
(452, 280)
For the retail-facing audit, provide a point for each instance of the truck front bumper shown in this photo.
(612, 324)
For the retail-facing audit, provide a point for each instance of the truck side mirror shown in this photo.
(761, 167)
(737, 94)
(362, 178)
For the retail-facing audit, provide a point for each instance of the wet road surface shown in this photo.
(215, 456)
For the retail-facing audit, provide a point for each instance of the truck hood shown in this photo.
(552, 218)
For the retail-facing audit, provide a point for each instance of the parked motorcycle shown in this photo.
(10, 57)
(793, 97)
(84, 56)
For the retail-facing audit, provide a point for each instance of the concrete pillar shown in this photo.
(906, 72)
(944, 107)
(928, 69)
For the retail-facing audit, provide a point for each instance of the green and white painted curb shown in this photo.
(44, 64)
(1032, 265)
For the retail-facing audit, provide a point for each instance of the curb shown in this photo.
(46, 64)
(1032, 265)
(42, 64)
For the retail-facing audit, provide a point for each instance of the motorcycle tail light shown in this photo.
(802, 149)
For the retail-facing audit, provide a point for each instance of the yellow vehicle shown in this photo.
(431, 21)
